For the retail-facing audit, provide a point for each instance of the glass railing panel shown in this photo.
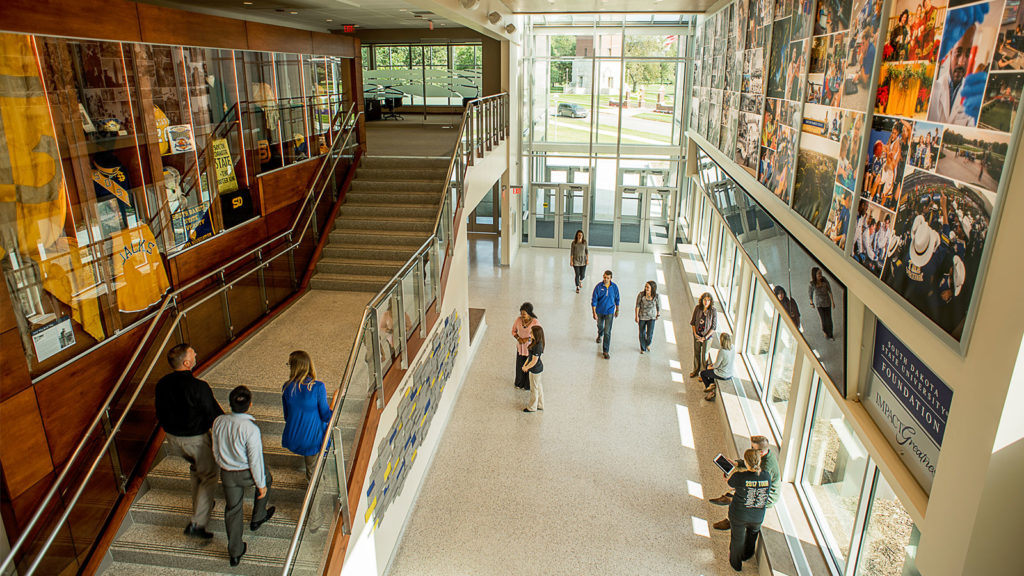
(428, 274)
(411, 294)
(245, 299)
(321, 519)
(390, 343)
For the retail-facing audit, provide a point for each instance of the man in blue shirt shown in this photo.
(238, 449)
(605, 303)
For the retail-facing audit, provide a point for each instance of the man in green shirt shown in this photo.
(770, 463)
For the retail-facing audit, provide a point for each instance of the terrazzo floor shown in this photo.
(611, 478)
(322, 322)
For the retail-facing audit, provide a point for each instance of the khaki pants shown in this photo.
(203, 469)
(700, 354)
(536, 393)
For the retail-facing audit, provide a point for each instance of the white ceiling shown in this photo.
(317, 15)
(327, 15)
(554, 6)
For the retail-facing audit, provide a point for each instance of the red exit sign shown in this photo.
(348, 28)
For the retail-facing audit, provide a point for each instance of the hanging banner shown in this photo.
(909, 403)
(225, 166)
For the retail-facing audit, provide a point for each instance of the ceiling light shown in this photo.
(247, 3)
(293, 12)
(494, 17)
(402, 10)
(330, 19)
(469, 4)
(511, 28)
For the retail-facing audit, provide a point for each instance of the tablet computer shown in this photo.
(724, 463)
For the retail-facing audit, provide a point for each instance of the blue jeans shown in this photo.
(646, 334)
(604, 329)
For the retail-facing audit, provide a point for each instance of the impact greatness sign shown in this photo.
(909, 403)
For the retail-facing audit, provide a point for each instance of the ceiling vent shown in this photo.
(494, 17)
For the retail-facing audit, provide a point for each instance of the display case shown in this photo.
(123, 156)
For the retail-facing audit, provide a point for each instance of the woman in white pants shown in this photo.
(534, 367)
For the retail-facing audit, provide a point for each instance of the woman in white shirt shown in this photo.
(720, 369)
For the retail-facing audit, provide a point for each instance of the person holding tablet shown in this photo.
(769, 462)
(746, 511)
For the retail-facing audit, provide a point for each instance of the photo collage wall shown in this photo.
(948, 95)
(780, 124)
(839, 92)
(789, 83)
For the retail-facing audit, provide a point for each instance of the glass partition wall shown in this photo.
(603, 96)
(856, 517)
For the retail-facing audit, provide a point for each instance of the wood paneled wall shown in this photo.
(136, 22)
(42, 422)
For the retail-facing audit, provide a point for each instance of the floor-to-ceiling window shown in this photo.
(607, 88)
(409, 74)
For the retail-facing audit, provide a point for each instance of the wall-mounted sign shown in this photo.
(909, 403)
(53, 338)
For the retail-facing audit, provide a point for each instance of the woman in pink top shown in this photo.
(522, 331)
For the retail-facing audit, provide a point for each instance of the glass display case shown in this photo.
(123, 155)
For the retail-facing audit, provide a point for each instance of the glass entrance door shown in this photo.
(575, 200)
(557, 212)
(544, 204)
(659, 219)
(642, 216)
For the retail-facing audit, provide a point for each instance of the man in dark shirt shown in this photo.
(186, 408)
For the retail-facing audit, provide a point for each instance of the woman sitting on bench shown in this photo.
(720, 369)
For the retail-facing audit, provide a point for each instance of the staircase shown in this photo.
(389, 211)
(150, 540)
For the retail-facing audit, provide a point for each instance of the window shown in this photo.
(759, 332)
(737, 285)
(725, 262)
(890, 538)
(834, 468)
(780, 379)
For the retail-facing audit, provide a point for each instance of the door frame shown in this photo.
(646, 194)
(563, 191)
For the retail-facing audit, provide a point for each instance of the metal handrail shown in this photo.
(395, 281)
(349, 124)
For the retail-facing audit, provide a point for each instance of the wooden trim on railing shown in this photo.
(126, 500)
(325, 234)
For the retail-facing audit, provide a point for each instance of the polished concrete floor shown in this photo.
(612, 477)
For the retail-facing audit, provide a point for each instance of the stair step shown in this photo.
(368, 185)
(129, 569)
(395, 196)
(361, 267)
(436, 174)
(404, 162)
(380, 210)
(173, 507)
(422, 225)
(155, 545)
(412, 239)
(348, 282)
(397, 252)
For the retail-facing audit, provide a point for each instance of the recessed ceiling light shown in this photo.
(247, 3)
(330, 19)
(402, 10)
(293, 12)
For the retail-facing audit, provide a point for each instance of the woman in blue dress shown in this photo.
(306, 416)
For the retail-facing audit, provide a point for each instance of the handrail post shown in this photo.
(372, 334)
(421, 285)
(402, 328)
(339, 464)
(227, 307)
(115, 457)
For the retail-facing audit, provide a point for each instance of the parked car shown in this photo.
(571, 110)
